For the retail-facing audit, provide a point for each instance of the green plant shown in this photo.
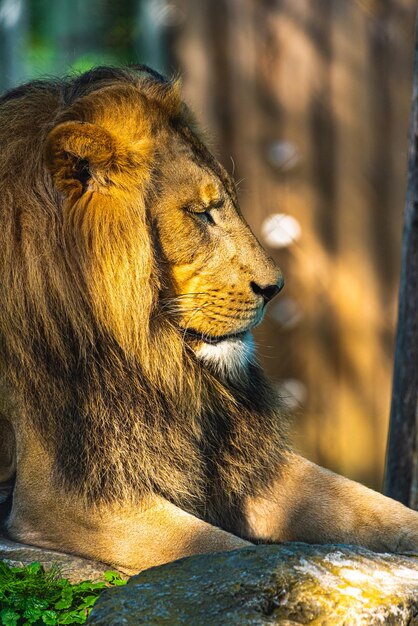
(31, 595)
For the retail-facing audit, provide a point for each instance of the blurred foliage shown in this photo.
(98, 31)
(39, 37)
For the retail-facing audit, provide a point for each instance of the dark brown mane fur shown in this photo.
(120, 418)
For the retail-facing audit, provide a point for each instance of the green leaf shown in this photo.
(65, 602)
(88, 602)
(36, 603)
(9, 617)
(73, 617)
(34, 568)
(32, 615)
(114, 578)
(87, 585)
(30, 595)
(50, 618)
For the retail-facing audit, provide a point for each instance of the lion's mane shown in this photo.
(123, 408)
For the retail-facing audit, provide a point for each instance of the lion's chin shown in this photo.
(228, 354)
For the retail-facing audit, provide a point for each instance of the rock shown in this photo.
(71, 567)
(286, 584)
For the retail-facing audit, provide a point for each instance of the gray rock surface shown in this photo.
(71, 567)
(287, 584)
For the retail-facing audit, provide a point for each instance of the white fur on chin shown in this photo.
(228, 356)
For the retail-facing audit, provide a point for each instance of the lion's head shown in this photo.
(130, 282)
(145, 203)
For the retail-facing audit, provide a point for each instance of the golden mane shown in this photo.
(83, 332)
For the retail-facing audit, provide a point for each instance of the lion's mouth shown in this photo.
(212, 339)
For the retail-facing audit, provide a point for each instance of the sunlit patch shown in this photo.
(10, 12)
(293, 392)
(228, 356)
(283, 155)
(280, 230)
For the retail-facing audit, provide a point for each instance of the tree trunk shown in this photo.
(402, 459)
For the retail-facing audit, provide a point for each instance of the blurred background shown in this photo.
(307, 104)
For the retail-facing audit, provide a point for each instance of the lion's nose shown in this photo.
(268, 292)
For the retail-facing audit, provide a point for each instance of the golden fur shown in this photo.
(93, 319)
(129, 398)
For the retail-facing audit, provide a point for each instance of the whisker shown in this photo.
(188, 323)
(219, 316)
(177, 309)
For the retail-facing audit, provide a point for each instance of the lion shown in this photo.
(136, 425)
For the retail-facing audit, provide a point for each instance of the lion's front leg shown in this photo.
(130, 537)
(311, 504)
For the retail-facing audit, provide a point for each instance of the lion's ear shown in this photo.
(78, 153)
